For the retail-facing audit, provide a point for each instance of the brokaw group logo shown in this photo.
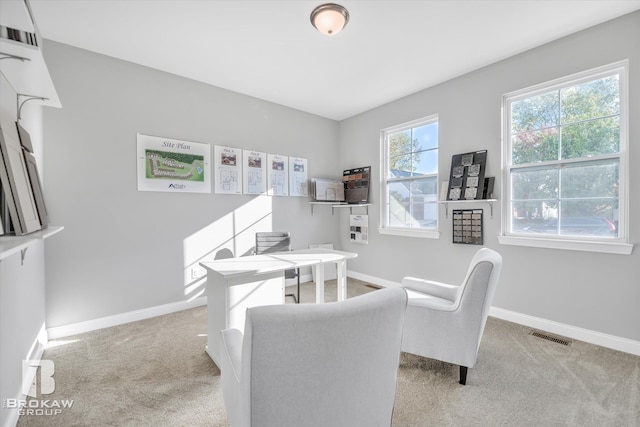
(47, 383)
(36, 372)
(177, 186)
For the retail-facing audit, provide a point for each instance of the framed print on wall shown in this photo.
(173, 165)
(298, 177)
(227, 163)
(255, 172)
(278, 175)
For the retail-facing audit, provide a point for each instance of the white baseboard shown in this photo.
(119, 319)
(132, 316)
(12, 418)
(373, 280)
(38, 346)
(34, 353)
(593, 337)
(604, 340)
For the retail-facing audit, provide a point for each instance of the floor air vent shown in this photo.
(548, 337)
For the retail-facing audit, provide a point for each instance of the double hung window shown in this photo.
(410, 178)
(565, 159)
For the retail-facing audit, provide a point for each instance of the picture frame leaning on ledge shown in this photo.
(16, 184)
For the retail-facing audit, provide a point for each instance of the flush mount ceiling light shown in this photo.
(329, 18)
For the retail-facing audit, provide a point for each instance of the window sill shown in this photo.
(408, 232)
(571, 245)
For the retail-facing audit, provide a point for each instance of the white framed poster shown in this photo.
(359, 228)
(277, 175)
(254, 172)
(173, 165)
(227, 166)
(298, 177)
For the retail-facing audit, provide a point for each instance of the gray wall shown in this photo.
(595, 291)
(124, 250)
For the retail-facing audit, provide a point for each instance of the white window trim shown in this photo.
(402, 231)
(619, 245)
(571, 245)
(409, 232)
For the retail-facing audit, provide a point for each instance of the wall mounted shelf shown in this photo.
(335, 205)
(10, 245)
(446, 204)
(21, 59)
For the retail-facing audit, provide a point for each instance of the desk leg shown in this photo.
(341, 279)
(216, 315)
(228, 300)
(320, 284)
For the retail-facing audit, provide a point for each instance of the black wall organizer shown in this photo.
(467, 226)
(356, 184)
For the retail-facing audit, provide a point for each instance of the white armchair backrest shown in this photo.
(325, 364)
(484, 254)
(478, 288)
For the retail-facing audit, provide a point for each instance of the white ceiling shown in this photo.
(269, 50)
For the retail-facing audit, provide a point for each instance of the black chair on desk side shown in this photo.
(278, 241)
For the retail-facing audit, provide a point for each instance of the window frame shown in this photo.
(384, 227)
(618, 245)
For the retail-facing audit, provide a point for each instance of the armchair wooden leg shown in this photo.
(463, 375)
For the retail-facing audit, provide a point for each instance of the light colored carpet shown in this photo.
(156, 373)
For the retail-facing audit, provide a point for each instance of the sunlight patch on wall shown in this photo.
(233, 232)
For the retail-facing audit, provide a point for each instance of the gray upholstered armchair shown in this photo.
(323, 365)
(446, 322)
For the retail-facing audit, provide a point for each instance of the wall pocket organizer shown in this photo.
(467, 226)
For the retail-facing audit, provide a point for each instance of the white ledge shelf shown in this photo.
(341, 205)
(10, 245)
(446, 204)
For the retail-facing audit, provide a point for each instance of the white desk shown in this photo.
(235, 284)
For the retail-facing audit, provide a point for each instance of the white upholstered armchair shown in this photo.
(446, 322)
(323, 365)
